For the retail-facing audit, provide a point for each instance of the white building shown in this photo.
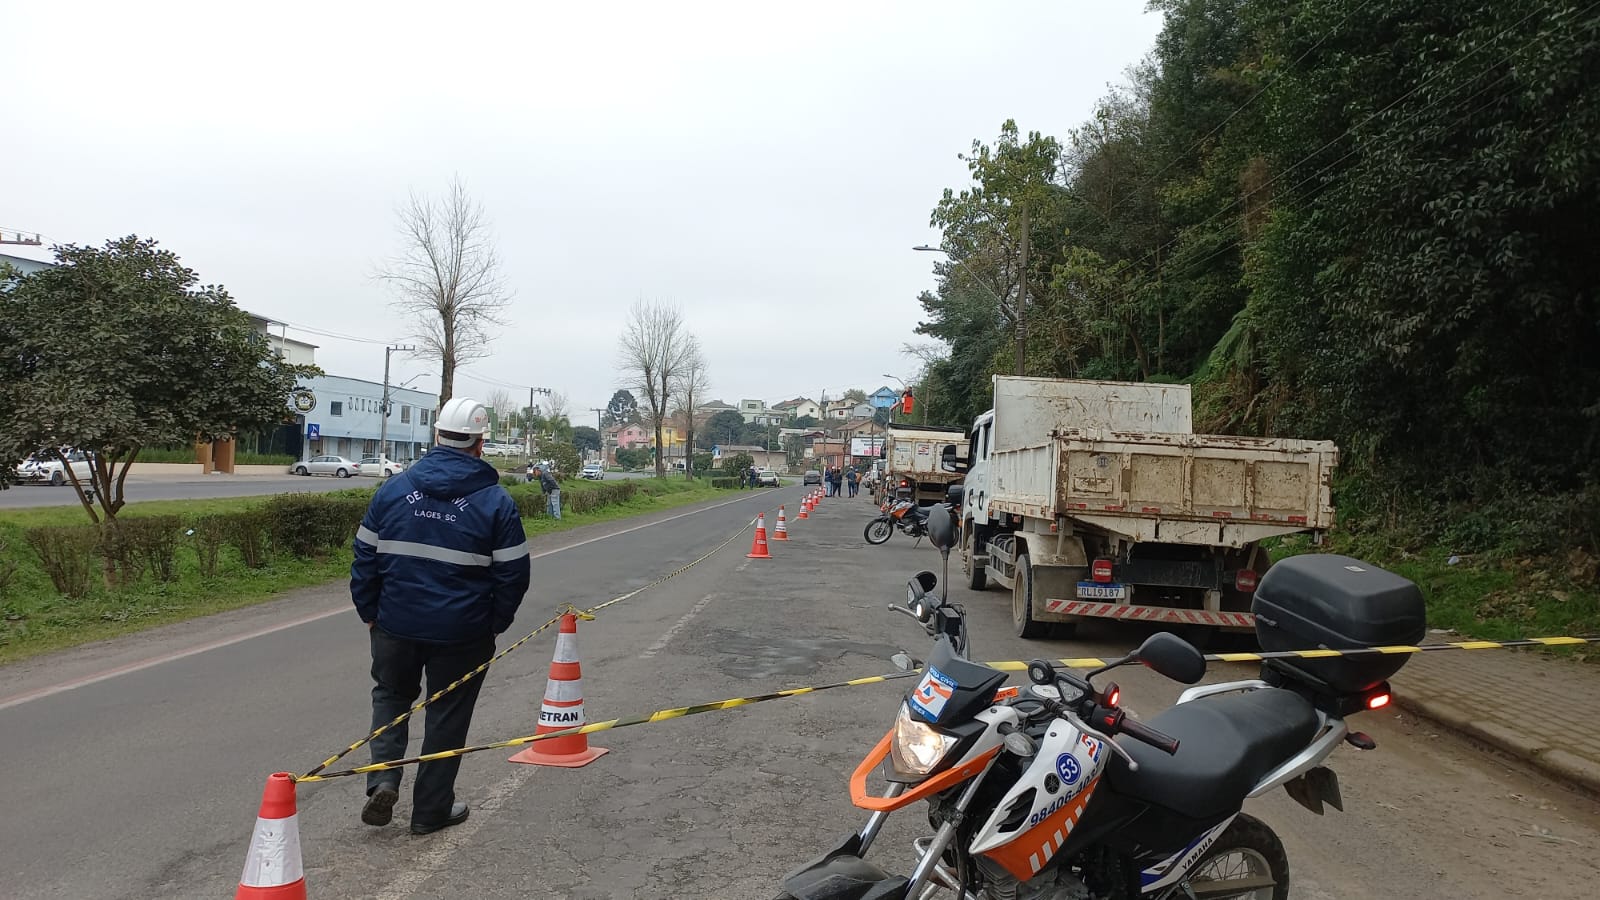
(756, 412)
(343, 418)
(298, 353)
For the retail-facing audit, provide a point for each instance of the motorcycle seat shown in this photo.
(1226, 743)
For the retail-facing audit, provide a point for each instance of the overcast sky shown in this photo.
(765, 166)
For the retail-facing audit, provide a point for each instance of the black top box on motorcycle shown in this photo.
(1325, 601)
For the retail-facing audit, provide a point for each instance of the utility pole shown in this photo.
(527, 428)
(600, 429)
(1022, 304)
(383, 408)
(21, 239)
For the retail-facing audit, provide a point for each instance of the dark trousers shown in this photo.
(397, 667)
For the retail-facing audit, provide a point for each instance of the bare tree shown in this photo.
(692, 382)
(557, 406)
(447, 280)
(651, 360)
(499, 400)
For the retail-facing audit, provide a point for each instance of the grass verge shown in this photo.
(1494, 596)
(34, 619)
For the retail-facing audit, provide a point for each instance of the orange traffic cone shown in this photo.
(272, 868)
(758, 547)
(562, 709)
(805, 509)
(781, 532)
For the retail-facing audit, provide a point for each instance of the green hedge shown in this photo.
(80, 558)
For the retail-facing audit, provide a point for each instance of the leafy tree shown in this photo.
(586, 438)
(806, 422)
(120, 348)
(565, 458)
(724, 427)
(756, 435)
(736, 465)
(634, 457)
(855, 395)
(622, 410)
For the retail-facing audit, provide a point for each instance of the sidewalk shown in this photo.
(1535, 708)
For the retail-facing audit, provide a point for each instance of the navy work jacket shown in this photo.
(441, 555)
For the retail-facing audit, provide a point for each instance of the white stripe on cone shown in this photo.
(566, 648)
(274, 856)
(564, 691)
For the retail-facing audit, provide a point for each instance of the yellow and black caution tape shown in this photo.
(660, 715)
(586, 614)
(1089, 662)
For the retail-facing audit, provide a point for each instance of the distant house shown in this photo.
(850, 409)
(883, 398)
(626, 437)
(755, 412)
(799, 407)
(714, 407)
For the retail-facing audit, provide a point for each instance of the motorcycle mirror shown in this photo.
(1172, 656)
(903, 661)
(941, 528)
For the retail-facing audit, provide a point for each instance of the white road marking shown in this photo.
(667, 636)
(143, 664)
(444, 844)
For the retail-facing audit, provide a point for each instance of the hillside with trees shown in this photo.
(1366, 220)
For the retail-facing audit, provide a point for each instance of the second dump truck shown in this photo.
(1095, 499)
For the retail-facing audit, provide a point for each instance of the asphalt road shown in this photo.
(146, 783)
(189, 487)
(197, 487)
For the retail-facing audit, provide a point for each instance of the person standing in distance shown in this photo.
(552, 492)
(441, 564)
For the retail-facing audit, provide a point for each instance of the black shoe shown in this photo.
(380, 806)
(458, 814)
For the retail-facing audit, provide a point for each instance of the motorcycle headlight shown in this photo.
(917, 746)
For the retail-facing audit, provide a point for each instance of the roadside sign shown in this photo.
(313, 431)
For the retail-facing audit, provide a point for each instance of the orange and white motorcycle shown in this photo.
(1052, 792)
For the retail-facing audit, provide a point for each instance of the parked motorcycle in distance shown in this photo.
(904, 515)
(1053, 791)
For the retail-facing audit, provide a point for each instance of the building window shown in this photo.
(336, 408)
(405, 415)
(423, 418)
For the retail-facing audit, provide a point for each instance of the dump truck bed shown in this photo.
(1219, 490)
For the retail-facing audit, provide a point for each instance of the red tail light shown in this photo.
(1377, 701)
(1244, 580)
(1102, 570)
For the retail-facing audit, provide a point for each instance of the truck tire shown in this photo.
(977, 576)
(1022, 603)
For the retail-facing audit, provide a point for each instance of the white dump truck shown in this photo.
(1096, 499)
(916, 458)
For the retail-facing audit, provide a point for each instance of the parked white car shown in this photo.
(42, 469)
(337, 466)
(495, 448)
(378, 467)
(593, 472)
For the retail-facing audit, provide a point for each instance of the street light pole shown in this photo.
(600, 429)
(383, 408)
(1018, 328)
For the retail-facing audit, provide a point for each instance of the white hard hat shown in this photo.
(461, 422)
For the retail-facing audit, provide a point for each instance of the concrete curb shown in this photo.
(1558, 764)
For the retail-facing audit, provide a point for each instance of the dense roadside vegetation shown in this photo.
(1365, 220)
(180, 559)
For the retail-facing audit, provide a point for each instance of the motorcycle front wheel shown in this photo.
(1248, 862)
(878, 530)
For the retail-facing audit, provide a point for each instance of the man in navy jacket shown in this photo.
(441, 564)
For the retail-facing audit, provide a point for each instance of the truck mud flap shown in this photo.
(841, 874)
(1098, 610)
